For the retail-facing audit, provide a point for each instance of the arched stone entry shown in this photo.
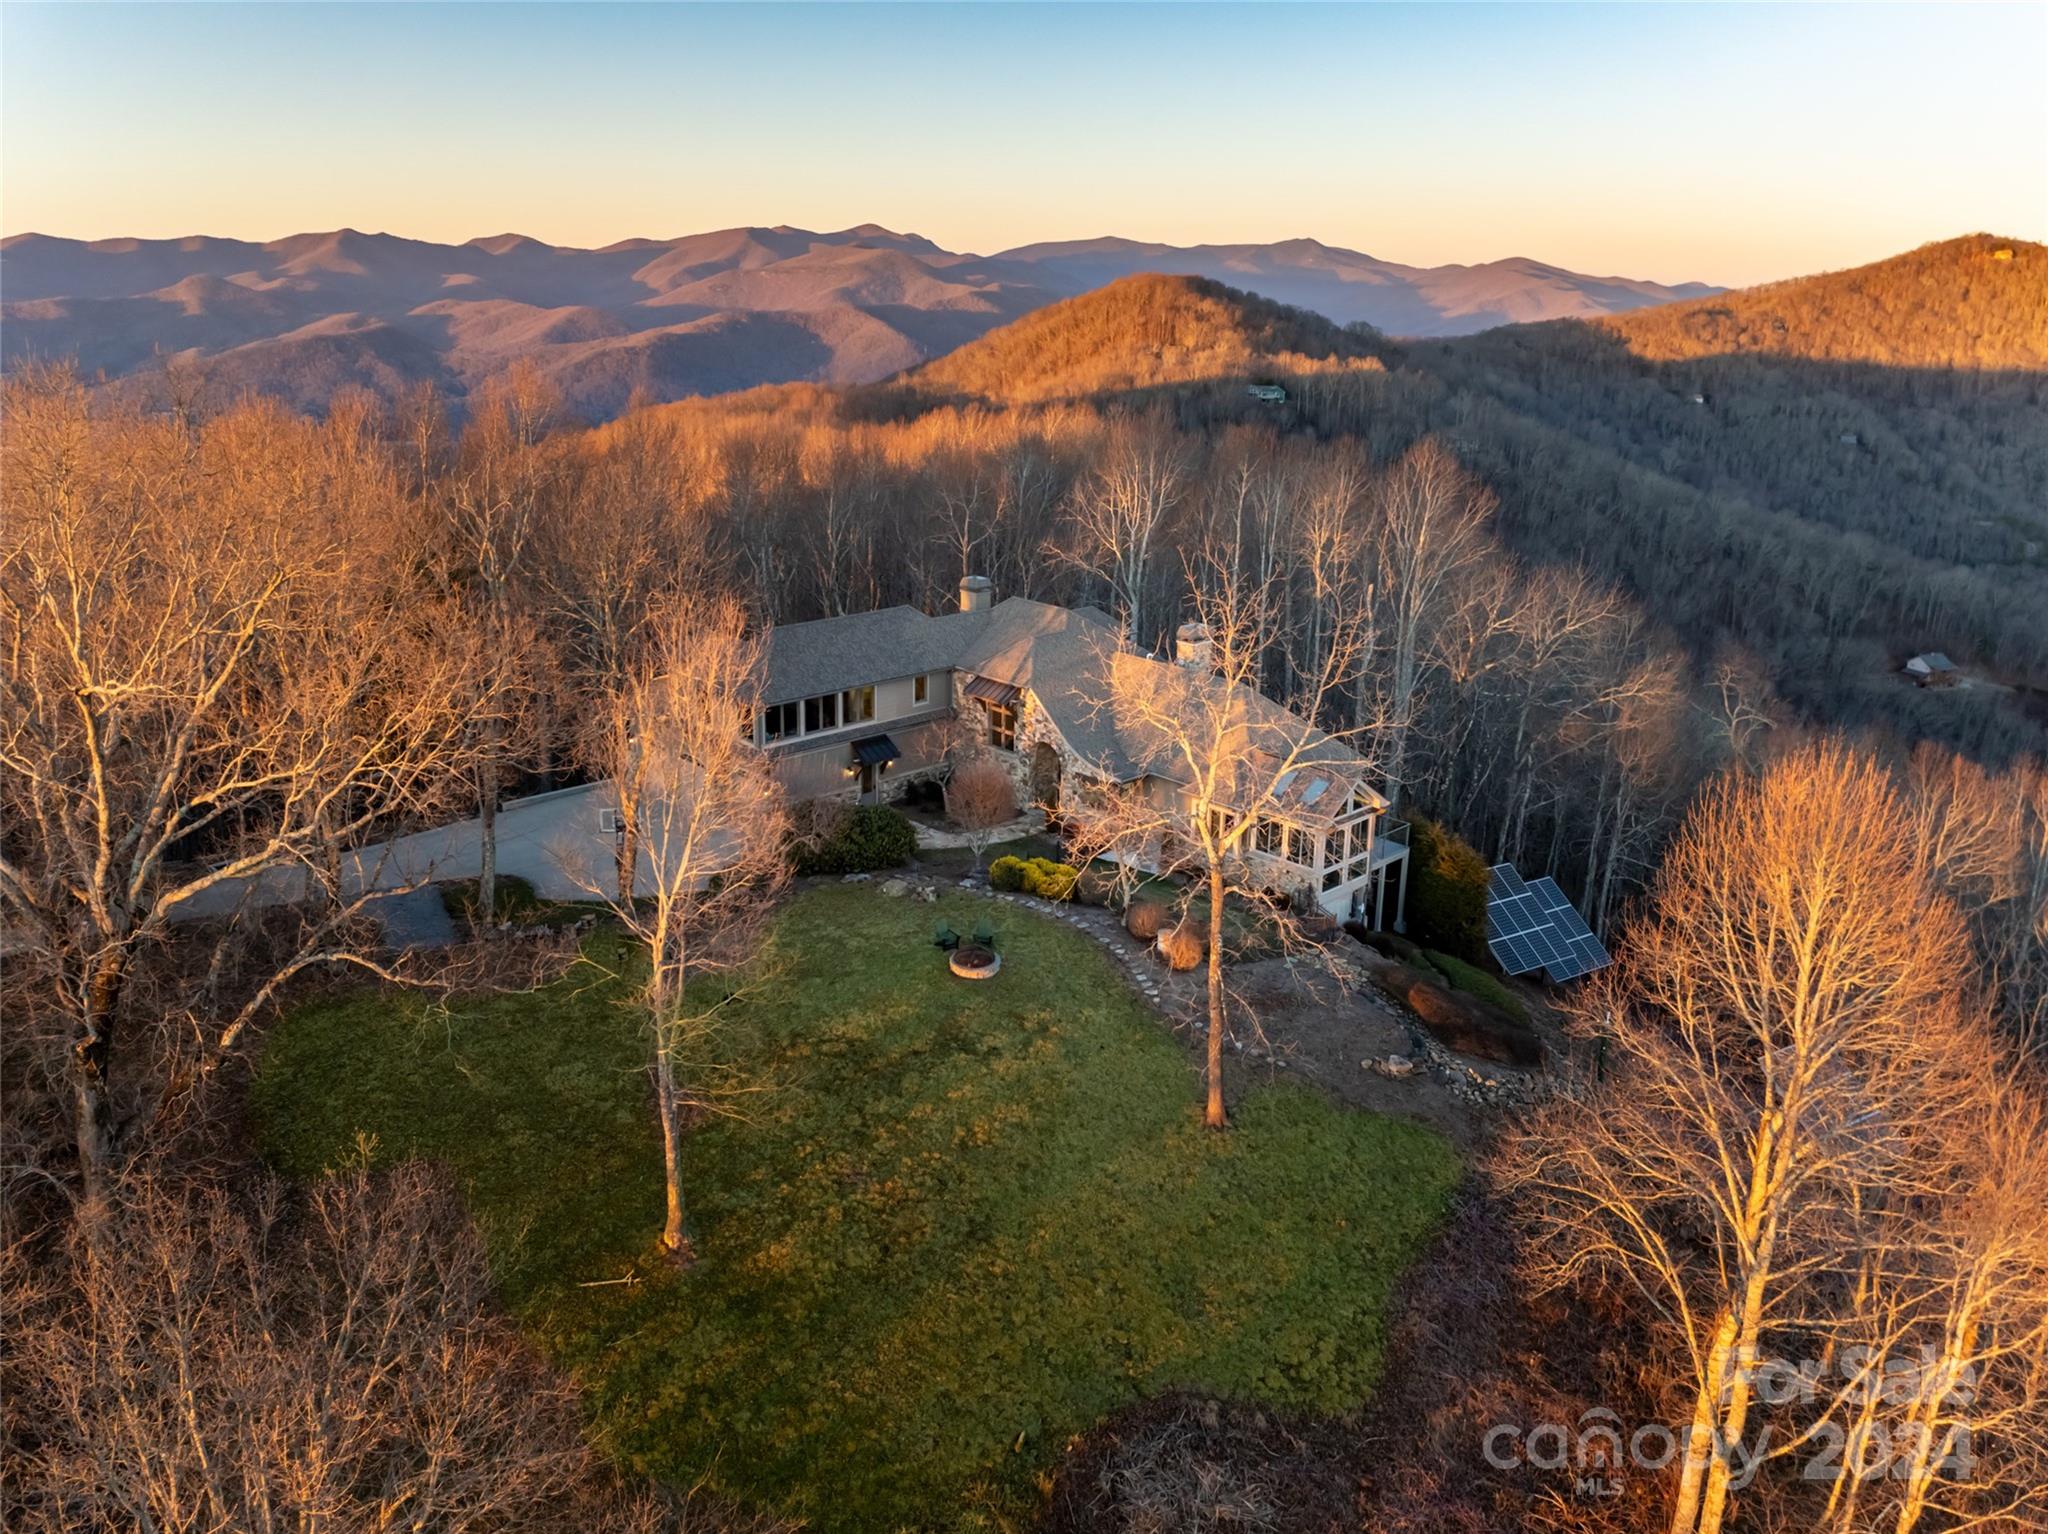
(1046, 768)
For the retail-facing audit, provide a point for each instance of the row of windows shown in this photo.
(829, 711)
(1276, 839)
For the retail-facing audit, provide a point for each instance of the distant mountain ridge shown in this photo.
(1350, 287)
(308, 315)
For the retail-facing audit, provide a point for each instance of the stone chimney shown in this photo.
(1191, 646)
(977, 593)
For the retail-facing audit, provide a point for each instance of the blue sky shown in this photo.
(1729, 143)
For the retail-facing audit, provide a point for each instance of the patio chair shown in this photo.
(985, 935)
(946, 938)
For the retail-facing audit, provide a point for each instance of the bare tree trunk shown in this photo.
(1214, 1117)
(628, 859)
(487, 841)
(90, 1059)
(1699, 1443)
(668, 1108)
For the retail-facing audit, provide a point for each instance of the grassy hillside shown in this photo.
(955, 1226)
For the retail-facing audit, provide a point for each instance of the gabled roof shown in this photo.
(830, 654)
(1322, 774)
(1066, 657)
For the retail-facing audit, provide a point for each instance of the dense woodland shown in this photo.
(1586, 571)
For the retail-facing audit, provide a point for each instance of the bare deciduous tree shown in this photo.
(1121, 511)
(240, 1364)
(1431, 524)
(1781, 1004)
(1944, 1332)
(709, 824)
(1218, 759)
(214, 686)
(981, 799)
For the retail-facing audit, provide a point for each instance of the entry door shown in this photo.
(867, 780)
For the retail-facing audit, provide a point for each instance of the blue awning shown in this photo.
(875, 751)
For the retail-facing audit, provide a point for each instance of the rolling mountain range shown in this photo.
(1817, 477)
(304, 317)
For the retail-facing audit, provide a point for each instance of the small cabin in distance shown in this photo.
(1933, 669)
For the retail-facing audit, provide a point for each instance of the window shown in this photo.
(779, 721)
(920, 689)
(1301, 847)
(821, 713)
(610, 822)
(1002, 725)
(1272, 838)
(1332, 878)
(858, 705)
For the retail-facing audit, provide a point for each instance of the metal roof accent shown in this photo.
(987, 689)
(875, 751)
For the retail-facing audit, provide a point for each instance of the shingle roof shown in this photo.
(1064, 656)
(1323, 773)
(834, 653)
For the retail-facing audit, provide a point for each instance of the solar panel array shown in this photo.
(1531, 926)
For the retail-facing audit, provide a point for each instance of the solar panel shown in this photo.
(1531, 925)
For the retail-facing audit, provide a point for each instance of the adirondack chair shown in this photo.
(945, 938)
(985, 935)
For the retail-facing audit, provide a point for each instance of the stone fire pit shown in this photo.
(970, 962)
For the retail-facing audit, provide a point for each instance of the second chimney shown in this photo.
(977, 592)
(1192, 646)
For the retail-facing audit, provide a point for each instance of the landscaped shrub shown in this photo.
(1183, 946)
(1049, 880)
(842, 839)
(514, 897)
(1475, 981)
(1446, 892)
(1144, 918)
(1033, 876)
(1094, 886)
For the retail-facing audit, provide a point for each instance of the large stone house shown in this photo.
(859, 705)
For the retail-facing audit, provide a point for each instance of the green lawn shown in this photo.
(1477, 982)
(963, 1222)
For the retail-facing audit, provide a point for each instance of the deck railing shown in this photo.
(1391, 842)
